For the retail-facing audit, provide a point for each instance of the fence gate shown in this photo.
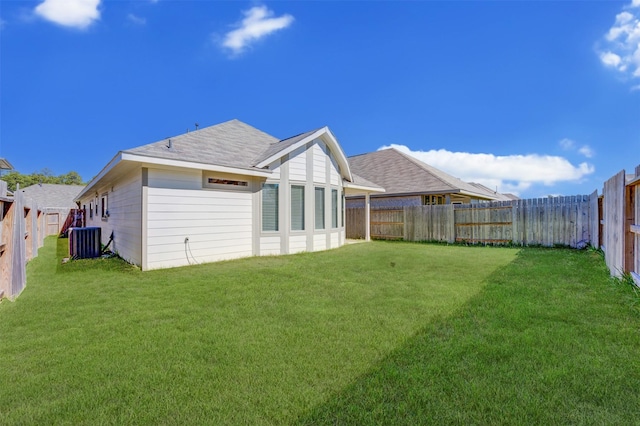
(53, 223)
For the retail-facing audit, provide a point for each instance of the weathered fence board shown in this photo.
(429, 223)
(594, 220)
(355, 222)
(387, 224)
(614, 220)
(546, 221)
(634, 228)
(20, 237)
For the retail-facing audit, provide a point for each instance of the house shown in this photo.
(56, 203)
(506, 196)
(223, 192)
(410, 182)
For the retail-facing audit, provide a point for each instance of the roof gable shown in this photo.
(288, 145)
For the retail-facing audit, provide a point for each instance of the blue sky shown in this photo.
(537, 98)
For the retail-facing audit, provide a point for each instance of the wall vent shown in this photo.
(84, 243)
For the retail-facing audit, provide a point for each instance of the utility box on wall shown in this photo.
(85, 243)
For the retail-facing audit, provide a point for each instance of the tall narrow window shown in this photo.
(342, 208)
(104, 206)
(319, 208)
(269, 206)
(334, 208)
(297, 208)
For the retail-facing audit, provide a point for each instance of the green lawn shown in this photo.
(379, 333)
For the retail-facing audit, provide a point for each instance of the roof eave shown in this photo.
(248, 171)
(364, 188)
(106, 169)
(142, 159)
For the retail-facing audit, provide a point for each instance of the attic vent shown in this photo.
(217, 181)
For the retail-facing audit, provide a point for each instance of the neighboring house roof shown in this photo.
(5, 165)
(499, 196)
(50, 195)
(232, 147)
(399, 173)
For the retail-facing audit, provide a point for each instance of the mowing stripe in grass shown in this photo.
(252, 341)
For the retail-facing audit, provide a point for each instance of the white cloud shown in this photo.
(69, 13)
(136, 19)
(621, 45)
(570, 145)
(567, 144)
(509, 173)
(258, 22)
(587, 151)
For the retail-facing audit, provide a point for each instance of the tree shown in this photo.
(71, 178)
(13, 178)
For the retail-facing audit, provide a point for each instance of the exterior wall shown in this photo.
(310, 166)
(124, 204)
(191, 222)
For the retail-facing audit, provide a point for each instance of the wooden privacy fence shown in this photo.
(22, 229)
(621, 224)
(565, 221)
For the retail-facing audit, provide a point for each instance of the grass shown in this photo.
(379, 333)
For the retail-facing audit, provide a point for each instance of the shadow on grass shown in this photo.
(98, 264)
(522, 351)
(62, 248)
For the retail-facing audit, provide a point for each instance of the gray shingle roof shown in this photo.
(232, 143)
(499, 196)
(49, 195)
(399, 173)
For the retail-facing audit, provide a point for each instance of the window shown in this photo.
(319, 208)
(91, 210)
(429, 200)
(103, 203)
(269, 206)
(297, 208)
(334, 208)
